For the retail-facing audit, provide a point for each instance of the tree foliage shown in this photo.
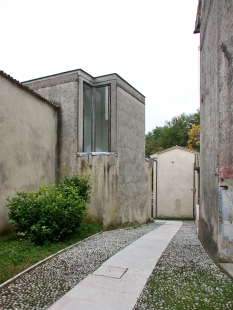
(194, 138)
(174, 132)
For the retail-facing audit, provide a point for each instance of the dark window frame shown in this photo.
(93, 117)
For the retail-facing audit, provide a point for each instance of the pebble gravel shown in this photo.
(185, 277)
(44, 285)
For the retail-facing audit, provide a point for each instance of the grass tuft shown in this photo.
(18, 253)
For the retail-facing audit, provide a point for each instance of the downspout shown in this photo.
(155, 185)
(152, 190)
(194, 190)
(156, 188)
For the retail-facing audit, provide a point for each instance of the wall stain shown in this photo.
(3, 175)
(83, 165)
(225, 173)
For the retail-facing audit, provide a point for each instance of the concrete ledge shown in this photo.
(44, 260)
(227, 268)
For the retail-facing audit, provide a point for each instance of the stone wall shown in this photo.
(28, 141)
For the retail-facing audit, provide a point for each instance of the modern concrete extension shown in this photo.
(117, 284)
(114, 155)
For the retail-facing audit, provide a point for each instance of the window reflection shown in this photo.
(95, 118)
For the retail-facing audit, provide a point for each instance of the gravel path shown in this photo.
(42, 286)
(186, 278)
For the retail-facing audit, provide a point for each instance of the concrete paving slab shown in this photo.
(123, 285)
(62, 303)
(109, 271)
(97, 294)
(131, 268)
(228, 267)
(167, 222)
(77, 304)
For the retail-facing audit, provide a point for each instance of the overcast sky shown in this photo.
(149, 43)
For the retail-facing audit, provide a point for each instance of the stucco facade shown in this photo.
(121, 176)
(175, 183)
(214, 23)
(28, 141)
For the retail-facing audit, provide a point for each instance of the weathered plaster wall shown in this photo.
(174, 173)
(216, 211)
(133, 182)
(105, 204)
(28, 127)
(63, 90)
(225, 58)
(225, 237)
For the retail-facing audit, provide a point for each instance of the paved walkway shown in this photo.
(117, 284)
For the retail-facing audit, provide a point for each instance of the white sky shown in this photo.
(149, 43)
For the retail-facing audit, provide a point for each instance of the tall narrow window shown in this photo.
(95, 118)
(87, 117)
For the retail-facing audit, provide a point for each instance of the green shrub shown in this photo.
(53, 212)
(81, 182)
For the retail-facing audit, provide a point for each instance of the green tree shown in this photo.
(153, 141)
(174, 132)
(194, 138)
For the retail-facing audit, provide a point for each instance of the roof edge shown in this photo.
(198, 17)
(56, 74)
(173, 148)
(96, 77)
(76, 71)
(11, 79)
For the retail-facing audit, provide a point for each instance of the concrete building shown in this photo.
(175, 183)
(28, 141)
(102, 132)
(214, 23)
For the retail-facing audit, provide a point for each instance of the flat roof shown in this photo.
(76, 71)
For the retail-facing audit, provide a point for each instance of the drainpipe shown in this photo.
(156, 187)
(155, 180)
(194, 191)
(152, 191)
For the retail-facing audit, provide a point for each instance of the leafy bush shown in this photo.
(53, 212)
(81, 183)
